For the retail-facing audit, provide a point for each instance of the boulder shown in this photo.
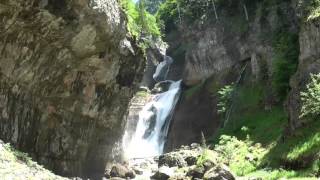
(119, 170)
(196, 172)
(172, 160)
(219, 173)
(163, 173)
(191, 160)
(161, 87)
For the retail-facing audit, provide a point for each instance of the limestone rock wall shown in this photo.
(212, 53)
(67, 72)
(309, 62)
(209, 47)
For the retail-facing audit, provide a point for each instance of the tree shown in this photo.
(139, 20)
(311, 98)
(152, 6)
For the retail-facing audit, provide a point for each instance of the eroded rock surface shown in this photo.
(211, 53)
(66, 77)
(309, 62)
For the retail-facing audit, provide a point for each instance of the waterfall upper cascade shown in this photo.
(153, 125)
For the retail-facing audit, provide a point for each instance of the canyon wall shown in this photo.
(211, 52)
(68, 70)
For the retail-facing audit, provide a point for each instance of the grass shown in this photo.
(252, 143)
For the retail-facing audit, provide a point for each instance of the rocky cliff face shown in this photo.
(309, 62)
(213, 51)
(210, 47)
(66, 77)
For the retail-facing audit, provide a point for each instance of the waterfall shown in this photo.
(163, 69)
(153, 125)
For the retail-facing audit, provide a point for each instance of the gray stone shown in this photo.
(163, 173)
(196, 172)
(191, 160)
(172, 160)
(119, 170)
(73, 88)
(219, 173)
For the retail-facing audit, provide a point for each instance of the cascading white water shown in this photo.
(153, 125)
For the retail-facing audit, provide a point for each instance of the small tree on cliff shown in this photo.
(311, 98)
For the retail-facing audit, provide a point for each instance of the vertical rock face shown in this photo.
(309, 62)
(212, 53)
(66, 77)
(208, 47)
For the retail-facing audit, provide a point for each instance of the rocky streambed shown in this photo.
(187, 162)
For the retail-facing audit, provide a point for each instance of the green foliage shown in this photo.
(18, 165)
(152, 6)
(207, 155)
(19, 156)
(243, 157)
(253, 144)
(167, 15)
(224, 98)
(275, 174)
(311, 98)
(314, 10)
(190, 10)
(132, 16)
(139, 20)
(286, 46)
(300, 151)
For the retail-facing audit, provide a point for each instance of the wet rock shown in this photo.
(131, 174)
(161, 87)
(107, 173)
(172, 160)
(150, 121)
(219, 173)
(119, 170)
(196, 172)
(163, 173)
(191, 160)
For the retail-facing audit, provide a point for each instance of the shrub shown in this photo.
(224, 98)
(314, 10)
(243, 157)
(311, 98)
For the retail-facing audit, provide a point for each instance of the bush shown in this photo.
(314, 10)
(243, 157)
(224, 98)
(311, 98)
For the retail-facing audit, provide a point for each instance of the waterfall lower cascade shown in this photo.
(153, 125)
